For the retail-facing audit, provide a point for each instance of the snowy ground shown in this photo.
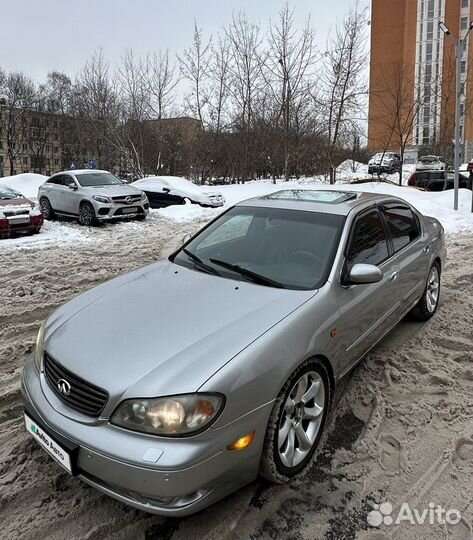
(402, 431)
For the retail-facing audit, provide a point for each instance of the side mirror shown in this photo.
(186, 238)
(364, 273)
(72, 186)
(166, 190)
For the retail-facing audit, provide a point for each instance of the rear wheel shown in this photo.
(86, 214)
(296, 423)
(46, 208)
(427, 305)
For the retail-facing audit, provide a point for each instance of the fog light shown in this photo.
(242, 442)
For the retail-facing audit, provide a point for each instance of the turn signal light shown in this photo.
(242, 442)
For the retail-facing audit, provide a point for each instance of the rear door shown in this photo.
(52, 189)
(411, 248)
(367, 310)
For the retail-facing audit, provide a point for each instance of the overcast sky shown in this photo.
(38, 36)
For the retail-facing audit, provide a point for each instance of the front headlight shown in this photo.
(39, 350)
(170, 416)
(144, 197)
(101, 199)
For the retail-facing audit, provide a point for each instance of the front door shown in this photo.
(367, 310)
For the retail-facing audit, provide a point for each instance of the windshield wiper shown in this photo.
(253, 276)
(199, 262)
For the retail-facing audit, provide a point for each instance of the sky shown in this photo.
(38, 36)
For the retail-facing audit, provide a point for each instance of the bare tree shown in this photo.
(245, 81)
(194, 65)
(342, 80)
(289, 66)
(18, 95)
(162, 80)
(399, 102)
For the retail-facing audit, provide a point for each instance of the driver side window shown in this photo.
(368, 243)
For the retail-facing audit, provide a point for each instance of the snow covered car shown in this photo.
(384, 162)
(437, 180)
(167, 190)
(17, 214)
(431, 163)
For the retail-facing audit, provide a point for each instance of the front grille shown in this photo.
(128, 199)
(83, 397)
(12, 213)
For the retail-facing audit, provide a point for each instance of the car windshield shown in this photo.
(285, 248)
(97, 179)
(7, 193)
(428, 159)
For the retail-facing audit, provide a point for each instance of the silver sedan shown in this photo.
(174, 385)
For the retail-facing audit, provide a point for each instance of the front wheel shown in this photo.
(296, 423)
(46, 208)
(428, 304)
(86, 214)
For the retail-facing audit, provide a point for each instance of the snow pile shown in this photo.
(27, 183)
(350, 170)
(53, 234)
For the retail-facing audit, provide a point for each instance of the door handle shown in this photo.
(394, 275)
(426, 249)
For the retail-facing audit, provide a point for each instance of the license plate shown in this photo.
(129, 210)
(60, 454)
(19, 220)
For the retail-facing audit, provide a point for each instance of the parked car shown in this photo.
(91, 196)
(437, 180)
(168, 410)
(17, 214)
(384, 162)
(431, 163)
(167, 190)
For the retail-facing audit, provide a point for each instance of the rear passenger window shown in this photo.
(403, 225)
(57, 180)
(368, 244)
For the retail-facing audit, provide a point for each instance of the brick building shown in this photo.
(412, 73)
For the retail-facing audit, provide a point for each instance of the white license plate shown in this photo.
(52, 447)
(129, 210)
(19, 220)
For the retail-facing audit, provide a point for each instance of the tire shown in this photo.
(278, 463)
(428, 304)
(86, 214)
(46, 208)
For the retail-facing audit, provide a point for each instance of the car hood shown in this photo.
(114, 190)
(163, 329)
(19, 201)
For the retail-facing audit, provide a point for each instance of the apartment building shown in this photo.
(412, 74)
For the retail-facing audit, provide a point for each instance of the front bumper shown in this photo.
(115, 211)
(189, 473)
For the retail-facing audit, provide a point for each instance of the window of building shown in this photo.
(465, 3)
(25, 160)
(56, 162)
(463, 66)
(464, 23)
(55, 137)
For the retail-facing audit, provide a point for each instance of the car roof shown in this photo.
(81, 171)
(321, 201)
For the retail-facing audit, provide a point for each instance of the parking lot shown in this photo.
(402, 431)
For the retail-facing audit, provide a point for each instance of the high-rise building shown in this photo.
(412, 74)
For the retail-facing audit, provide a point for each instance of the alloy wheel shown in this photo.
(433, 286)
(86, 215)
(301, 419)
(45, 208)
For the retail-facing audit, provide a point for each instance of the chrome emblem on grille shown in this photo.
(64, 387)
(128, 200)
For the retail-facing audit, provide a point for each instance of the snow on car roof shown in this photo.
(169, 181)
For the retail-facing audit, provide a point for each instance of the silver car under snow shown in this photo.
(174, 385)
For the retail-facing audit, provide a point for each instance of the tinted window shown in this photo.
(368, 244)
(97, 179)
(402, 224)
(56, 180)
(292, 247)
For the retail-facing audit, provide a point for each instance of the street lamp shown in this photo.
(459, 51)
